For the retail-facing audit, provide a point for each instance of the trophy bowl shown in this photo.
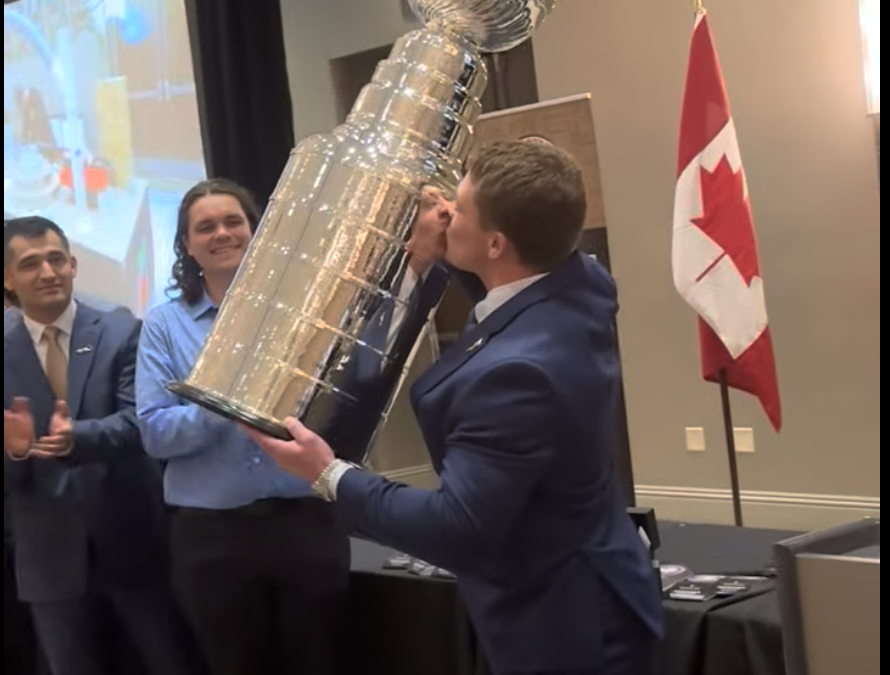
(493, 25)
(328, 308)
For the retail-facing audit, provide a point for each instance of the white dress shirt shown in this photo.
(500, 296)
(65, 324)
(496, 298)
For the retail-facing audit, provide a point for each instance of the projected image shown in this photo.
(101, 133)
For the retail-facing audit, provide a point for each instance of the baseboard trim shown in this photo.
(774, 510)
(421, 476)
(779, 510)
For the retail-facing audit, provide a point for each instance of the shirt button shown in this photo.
(257, 461)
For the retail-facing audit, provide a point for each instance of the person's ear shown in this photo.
(8, 286)
(497, 246)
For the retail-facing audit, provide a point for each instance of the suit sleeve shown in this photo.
(170, 428)
(96, 440)
(15, 474)
(496, 454)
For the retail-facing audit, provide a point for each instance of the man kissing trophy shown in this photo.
(321, 293)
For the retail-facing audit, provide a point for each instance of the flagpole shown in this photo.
(728, 424)
(729, 428)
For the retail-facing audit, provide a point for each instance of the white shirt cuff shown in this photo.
(336, 474)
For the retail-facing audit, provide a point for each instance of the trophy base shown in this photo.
(231, 410)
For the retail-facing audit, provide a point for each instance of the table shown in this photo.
(408, 625)
(405, 625)
(723, 637)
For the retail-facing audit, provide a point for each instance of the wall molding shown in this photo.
(421, 476)
(778, 510)
(794, 511)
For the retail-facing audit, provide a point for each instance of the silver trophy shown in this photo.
(327, 308)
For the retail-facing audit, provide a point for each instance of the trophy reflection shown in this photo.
(326, 310)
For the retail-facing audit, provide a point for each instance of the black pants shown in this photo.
(84, 636)
(23, 656)
(265, 587)
(19, 643)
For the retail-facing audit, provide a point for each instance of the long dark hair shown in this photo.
(187, 278)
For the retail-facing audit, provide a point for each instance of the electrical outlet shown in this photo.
(744, 440)
(695, 439)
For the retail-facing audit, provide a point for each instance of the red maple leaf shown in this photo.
(727, 218)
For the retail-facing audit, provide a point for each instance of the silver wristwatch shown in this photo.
(324, 486)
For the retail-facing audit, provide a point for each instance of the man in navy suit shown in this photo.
(83, 500)
(519, 418)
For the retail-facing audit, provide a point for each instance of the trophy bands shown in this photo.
(325, 311)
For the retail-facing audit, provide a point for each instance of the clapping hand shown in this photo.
(60, 440)
(18, 429)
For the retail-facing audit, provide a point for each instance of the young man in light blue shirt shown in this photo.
(260, 563)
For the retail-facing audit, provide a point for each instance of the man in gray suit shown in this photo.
(83, 500)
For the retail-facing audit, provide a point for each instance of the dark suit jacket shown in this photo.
(519, 419)
(368, 382)
(99, 512)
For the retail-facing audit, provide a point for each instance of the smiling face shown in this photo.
(40, 271)
(218, 234)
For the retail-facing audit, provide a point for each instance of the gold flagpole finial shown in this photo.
(699, 6)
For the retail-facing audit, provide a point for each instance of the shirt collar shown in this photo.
(201, 308)
(65, 323)
(497, 297)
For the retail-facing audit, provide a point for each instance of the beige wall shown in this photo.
(307, 25)
(317, 31)
(793, 70)
(794, 74)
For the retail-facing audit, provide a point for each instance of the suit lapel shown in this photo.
(23, 376)
(469, 344)
(474, 341)
(20, 358)
(84, 343)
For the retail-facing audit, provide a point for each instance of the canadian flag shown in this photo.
(715, 258)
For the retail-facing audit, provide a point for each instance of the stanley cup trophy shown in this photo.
(327, 309)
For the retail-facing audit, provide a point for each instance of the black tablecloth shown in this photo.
(722, 637)
(751, 634)
(406, 625)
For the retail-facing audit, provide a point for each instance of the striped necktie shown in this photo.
(56, 366)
